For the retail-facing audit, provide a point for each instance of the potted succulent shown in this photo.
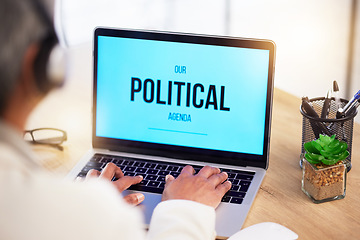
(324, 169)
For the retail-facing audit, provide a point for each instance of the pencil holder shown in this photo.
(312, 127)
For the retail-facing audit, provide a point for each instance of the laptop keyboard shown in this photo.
(154, 173)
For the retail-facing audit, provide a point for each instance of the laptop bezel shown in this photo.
(179, 152)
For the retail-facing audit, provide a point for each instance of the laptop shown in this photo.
(164, 100)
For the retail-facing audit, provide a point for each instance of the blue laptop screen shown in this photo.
(182, 94)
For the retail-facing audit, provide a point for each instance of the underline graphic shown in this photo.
(169, 130)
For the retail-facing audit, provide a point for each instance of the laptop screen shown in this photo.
(182, 91)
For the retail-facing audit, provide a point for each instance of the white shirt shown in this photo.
(36, 205)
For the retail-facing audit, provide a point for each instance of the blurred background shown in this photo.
(318, 41)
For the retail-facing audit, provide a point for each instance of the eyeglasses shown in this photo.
(47, 136)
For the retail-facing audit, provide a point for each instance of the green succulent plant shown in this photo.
(326, 150)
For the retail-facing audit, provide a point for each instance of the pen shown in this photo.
(311, 112)
(308, 108)
(354, 107)
(336, 93)
(317, 127)
(350, 111)
(326, 105)
(342, 112)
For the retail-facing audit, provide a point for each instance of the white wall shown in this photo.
(355, 84)
(80, 17)
(311, 36)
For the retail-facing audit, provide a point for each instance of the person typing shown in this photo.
(37, 205)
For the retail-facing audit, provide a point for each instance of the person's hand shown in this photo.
(207, 187)
(122, 183)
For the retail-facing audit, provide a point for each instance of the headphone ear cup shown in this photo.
(56, 66)
(49, 65)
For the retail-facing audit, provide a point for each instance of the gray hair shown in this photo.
(19, 28)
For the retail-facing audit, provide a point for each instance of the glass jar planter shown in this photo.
(324, 183)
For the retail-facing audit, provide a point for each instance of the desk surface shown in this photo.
(280, 198)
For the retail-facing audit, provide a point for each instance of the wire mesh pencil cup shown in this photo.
(312, 127)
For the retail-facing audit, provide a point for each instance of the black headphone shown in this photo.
(49, 65)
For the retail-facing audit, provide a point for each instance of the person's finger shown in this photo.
(169, 178)
(135, 198)
(79, 179)
(92, 173)
(223, 188)
(110, 171)
(216, 179)
(187, 170)
(125, 182)
(208, 171)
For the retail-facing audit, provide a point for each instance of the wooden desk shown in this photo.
(280, 198)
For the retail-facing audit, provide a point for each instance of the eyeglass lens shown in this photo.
(48, 136)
